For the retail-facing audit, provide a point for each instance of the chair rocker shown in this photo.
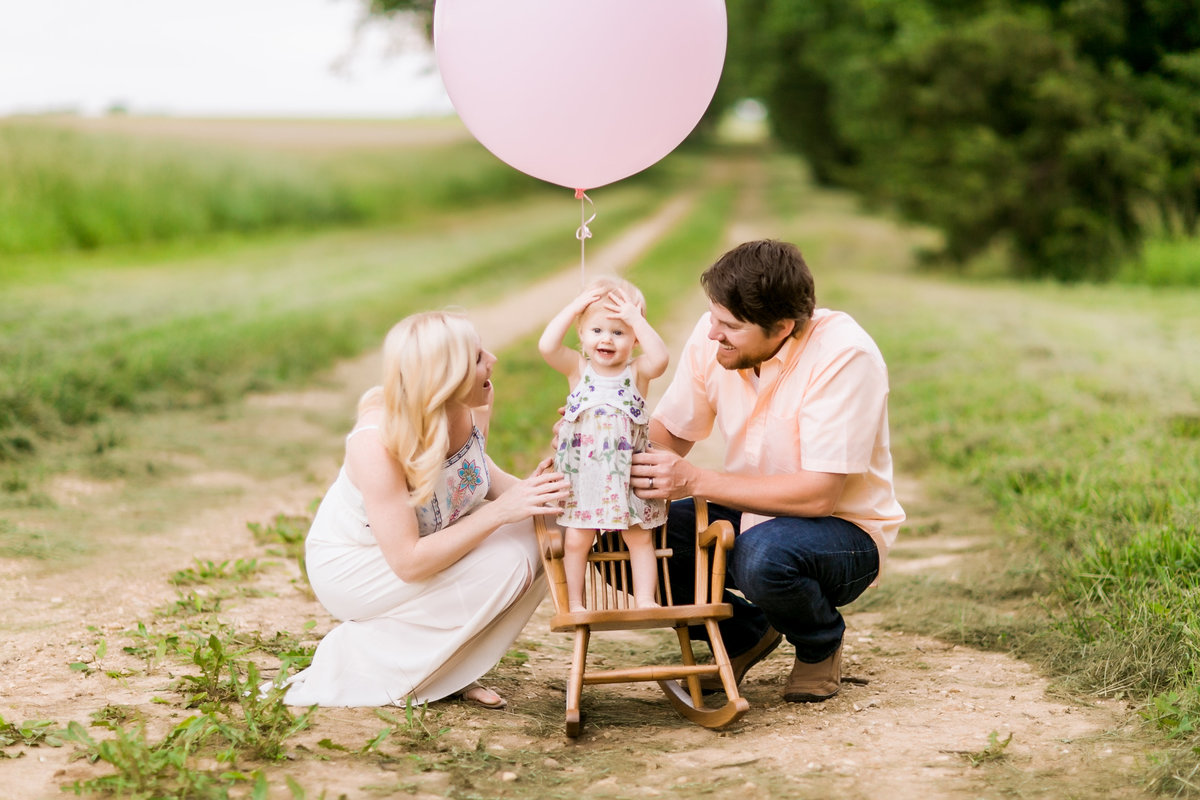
(608, 595)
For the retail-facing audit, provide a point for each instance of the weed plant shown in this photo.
(175, 766)
(284, 536)
(145, 768)
(293, 653)
(217, 682)
(238, 721)
(260, 725)
(151, 646)
(996, 750)
(419, 725)
(208, 571)
(30, 733)
(193, 603)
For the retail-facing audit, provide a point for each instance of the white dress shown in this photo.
(425, 640)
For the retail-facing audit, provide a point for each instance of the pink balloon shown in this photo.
(580, 92)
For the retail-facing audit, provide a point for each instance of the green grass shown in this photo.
(70, 189)
(1080, 439)
(1060, 427)
(1165, 261)
(105, 333)
(1071, 416)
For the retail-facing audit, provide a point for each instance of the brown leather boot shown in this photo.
(812, 683)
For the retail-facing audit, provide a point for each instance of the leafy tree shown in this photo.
(422, 10)
(1064, 128)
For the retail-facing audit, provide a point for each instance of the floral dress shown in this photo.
(604, 425)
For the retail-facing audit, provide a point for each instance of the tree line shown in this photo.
(1062, 131)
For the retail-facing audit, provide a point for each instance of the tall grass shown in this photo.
(1071, 415)
(1078, 419)
(70, 189)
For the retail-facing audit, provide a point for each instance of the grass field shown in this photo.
(1070, 414)
(67, 187)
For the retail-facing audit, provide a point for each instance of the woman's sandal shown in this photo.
(477, 693)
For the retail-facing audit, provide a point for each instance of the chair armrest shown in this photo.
(701, 512)
(550, 541)
(720, 533)
(710, 567)
(550, 545)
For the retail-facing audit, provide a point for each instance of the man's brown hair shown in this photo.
(763, 282)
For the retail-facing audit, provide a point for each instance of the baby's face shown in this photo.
(607, 342)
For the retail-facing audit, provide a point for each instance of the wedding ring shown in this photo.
(651, 486)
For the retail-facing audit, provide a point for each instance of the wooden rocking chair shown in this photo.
(608, 597)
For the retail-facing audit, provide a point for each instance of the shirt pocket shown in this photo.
(781, 445)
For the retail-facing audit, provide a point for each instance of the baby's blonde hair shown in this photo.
(611, 283)
(428, 362)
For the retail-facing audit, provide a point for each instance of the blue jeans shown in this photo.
(793, 572)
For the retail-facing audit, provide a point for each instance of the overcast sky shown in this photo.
(212, 58)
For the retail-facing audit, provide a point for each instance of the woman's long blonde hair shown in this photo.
(428, 362)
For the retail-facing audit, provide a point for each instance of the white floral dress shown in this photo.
(422, 640)
(604, 425)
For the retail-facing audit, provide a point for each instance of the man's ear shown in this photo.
(784, 324)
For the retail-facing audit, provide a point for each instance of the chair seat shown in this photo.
(640, 618)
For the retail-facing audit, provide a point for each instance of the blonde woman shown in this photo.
(422, 546)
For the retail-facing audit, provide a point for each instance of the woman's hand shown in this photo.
(539, 494)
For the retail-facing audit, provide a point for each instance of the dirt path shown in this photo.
(913, 725)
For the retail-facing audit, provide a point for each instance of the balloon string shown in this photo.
(583, 233)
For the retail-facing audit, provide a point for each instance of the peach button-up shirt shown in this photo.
(819, 404)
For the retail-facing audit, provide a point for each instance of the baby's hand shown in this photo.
(622, 307)
(585, 299)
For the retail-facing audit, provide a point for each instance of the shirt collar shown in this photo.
(790, 347)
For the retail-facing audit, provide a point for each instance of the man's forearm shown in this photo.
(661, 437)
(804, 494)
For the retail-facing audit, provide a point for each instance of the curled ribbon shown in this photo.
(583, 232)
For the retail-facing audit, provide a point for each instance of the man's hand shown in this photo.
(659, 474)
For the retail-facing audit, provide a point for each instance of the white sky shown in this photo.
(211, 58)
